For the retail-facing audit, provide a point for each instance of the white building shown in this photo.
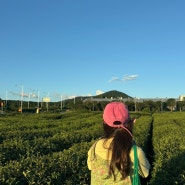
(181, 97)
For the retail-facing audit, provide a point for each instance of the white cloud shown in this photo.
(33, 95)
(113, 79)
(125, 78)
(86, 94)
(98, 92)
(129, 77)
(71, 97)
(23, 94)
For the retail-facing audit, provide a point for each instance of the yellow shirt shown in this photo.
(98, 162)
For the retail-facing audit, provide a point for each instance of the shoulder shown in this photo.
(95, 145)
(100, 148)
(140, 152)
(92, 147)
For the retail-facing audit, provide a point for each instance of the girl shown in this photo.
(111, 158)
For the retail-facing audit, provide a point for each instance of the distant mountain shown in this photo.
(113, 94)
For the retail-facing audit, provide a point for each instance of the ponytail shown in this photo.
(121, 146)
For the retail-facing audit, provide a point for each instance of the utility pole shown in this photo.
(29, 100)
(74, 100)
(135, 104)
(61, 103)
(21, 97)
(6, 99)
(38, 100)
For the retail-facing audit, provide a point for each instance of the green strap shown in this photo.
(136, 180)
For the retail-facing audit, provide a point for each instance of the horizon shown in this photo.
(47, 99)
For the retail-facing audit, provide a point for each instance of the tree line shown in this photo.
(170, 104)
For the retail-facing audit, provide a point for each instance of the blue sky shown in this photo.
(65, 48)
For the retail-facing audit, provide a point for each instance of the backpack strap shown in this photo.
(136, 179)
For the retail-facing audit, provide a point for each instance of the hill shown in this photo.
(113, 94)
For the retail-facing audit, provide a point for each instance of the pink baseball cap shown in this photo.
(115, 111)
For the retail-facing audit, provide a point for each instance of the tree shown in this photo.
(171, 104)
(131, 105)
(159, 106)
(180, 105)
(149, 105)
(89, 105)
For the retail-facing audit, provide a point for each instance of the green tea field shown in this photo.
(51, 149)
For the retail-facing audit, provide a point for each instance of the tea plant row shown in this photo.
(52, 148)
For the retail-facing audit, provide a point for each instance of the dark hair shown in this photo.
(120, 147)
